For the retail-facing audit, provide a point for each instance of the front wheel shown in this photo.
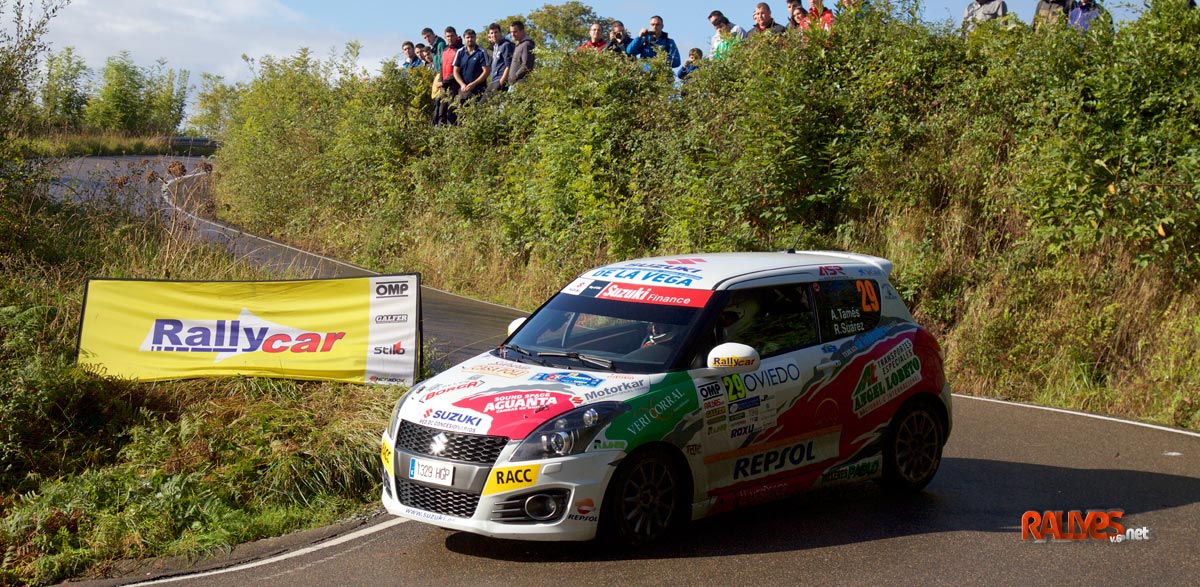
(645, 499)
(912, 449)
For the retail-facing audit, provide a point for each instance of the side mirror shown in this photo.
(514, 325)
(731, 357)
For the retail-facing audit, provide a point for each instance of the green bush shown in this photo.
(985, 167)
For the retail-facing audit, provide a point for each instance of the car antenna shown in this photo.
(792, 249)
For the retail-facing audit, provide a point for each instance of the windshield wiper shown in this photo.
(517, 348)
(530, 354)
(587, 359)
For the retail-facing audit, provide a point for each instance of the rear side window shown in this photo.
(846, 307)
(773, 319)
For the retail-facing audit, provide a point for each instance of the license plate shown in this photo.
(385, 455)
(435, 472)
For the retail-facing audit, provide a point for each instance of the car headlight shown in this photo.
(569, 433)
(395, 419)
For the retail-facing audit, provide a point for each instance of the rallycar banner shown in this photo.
(358, 330)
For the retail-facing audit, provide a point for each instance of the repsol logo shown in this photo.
(227, 338)
(795, 455)
(392, 289)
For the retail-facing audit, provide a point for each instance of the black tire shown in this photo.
(646, 499)
(912, 447)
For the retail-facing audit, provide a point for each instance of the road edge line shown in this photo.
(282, 557)
(1084, 414)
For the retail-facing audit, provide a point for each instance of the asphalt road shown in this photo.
(1001, 461)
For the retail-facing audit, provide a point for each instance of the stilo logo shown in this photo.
(397, 348)
(246, 334)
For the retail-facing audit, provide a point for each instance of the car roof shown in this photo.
(716, 271)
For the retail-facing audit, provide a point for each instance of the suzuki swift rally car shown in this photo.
(651, 392)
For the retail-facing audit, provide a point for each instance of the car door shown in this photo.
(749, 445)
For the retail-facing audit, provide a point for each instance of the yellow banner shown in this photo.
(358, 330)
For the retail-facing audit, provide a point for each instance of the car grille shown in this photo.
(468, 448)
(433, 499)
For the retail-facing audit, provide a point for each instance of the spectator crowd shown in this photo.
(465, 72)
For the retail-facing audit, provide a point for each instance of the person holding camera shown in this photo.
(650, 41)
(618, 39)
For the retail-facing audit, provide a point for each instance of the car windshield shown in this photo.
(604, 334)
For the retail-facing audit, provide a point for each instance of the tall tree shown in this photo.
(164, 98)
(117, 104)
(64, 95)
(215, 103)
(564, 25)
(558, 25)
(137, 100)
(20, 46)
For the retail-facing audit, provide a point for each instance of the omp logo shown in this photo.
(228, 338)
(391, 289)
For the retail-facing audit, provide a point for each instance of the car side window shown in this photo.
(773, 319)
(846, 307)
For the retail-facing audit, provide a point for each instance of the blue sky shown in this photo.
(212, 35)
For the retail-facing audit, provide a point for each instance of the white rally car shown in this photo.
(651, 392)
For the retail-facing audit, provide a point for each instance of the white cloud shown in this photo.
(207, 36)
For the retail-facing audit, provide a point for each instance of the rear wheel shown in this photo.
(645, 499)
(912, 450)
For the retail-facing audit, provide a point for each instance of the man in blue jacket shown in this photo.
(650, 42)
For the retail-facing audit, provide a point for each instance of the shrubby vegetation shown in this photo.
(55, 93)
(94, 469)
(1037, 191)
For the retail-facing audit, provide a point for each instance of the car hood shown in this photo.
(493, 396)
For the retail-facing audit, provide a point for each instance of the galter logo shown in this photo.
(391, 319)
(1078, 525)
(229, 338)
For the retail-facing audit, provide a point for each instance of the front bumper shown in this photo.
(476, 503)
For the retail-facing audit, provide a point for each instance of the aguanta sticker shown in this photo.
(516, 413)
